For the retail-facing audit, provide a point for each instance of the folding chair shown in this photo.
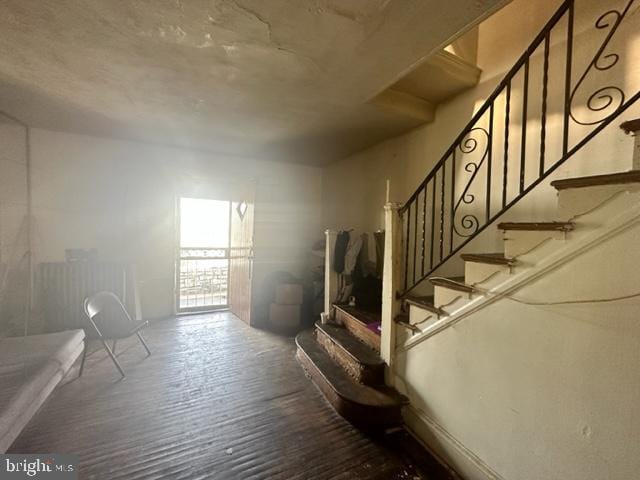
(109, 320)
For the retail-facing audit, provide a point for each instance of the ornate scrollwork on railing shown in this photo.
(453, 203)
(469, 223)
(609, 98)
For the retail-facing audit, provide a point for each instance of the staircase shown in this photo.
(588, 208)
(506, 151)
(343, 362)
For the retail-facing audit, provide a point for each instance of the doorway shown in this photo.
(202, 263)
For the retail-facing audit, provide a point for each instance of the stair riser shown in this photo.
(363, 416)
(517, 243)
(444, 296)
(475, 272)
(577, 201)
(357, 328)
(367, 374)
(419, 315)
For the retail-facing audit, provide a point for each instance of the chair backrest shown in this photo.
(108, 313)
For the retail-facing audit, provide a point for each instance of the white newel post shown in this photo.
(633, 127)
(330, 277)
(391, 276)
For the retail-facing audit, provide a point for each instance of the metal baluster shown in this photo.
(505, 167)
(444, 172)
(543, 117)
(406, 250)
(567, 86)
(433, 220)
(424, 228)
(489, 157)
(415, 241)
(453, 189)
(525, 105)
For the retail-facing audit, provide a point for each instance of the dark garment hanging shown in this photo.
(379, 239)
(342, 242)
(367, 289)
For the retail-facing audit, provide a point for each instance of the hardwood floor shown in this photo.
(216, 400)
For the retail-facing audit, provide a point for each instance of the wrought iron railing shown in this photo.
(203, 278)
(488, 169)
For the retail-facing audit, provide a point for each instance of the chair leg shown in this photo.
(113, 358)
(144, 344)
(84, 357)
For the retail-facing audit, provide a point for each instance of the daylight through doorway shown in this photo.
(203, 255)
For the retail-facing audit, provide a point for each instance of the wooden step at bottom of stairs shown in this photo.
(360, 323)
(360, 361)
(366, 407)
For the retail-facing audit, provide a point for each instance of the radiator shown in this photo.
(62, 287)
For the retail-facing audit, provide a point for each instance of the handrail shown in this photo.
(449, 228)
(496, 92)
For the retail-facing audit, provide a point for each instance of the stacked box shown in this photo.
(286, 311)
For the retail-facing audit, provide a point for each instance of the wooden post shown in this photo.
(330, 277)
(392, 273)
(633, 127)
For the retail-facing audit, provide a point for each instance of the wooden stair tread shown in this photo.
(362, 315)
(359, 323)
(537, 226)
(632, 176)
(452, 283)
(342, 383)
(350, 344)
(366, 407)
(489, 258)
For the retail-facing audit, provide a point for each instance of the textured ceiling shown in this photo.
(277, 79)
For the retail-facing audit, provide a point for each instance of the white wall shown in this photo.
(528, 392)
(354, 188)
(14, 243)
(119, 197)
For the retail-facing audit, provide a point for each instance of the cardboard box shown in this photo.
(284, 316)
(289, 294)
